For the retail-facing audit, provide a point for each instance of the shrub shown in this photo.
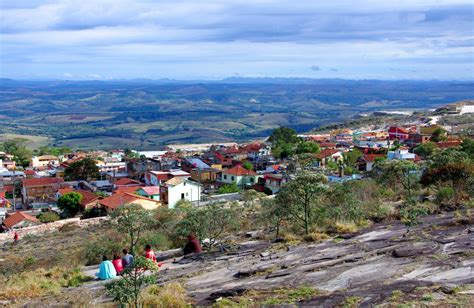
(228, 189)
(48, 217)
(70, 226)
(445, 196)
(315, 237)
(172, 295)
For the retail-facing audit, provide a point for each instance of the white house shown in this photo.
(44, 161)
(239, 175)
(401, 154)
(177, 189)
(156, 178)
(275, 182)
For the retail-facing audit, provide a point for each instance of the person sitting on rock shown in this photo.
(149, 253)
(106, 269)
(127, 259)
(192, 246)
(117, 262)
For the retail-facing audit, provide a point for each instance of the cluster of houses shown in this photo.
(196, 174)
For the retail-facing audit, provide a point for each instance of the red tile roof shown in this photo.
(41, 182)
(448, 144)
(326, 153)
(120, 199)
(239, 171)
(30, 172)
(126, 181)
(327, 145)
(18, 217)
(127, 189)
(151, 190)
(87, 197)
(372, 157)
(65, 190)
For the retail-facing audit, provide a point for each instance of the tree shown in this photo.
(467, 146)
(284, 135)
(208, 222)
(228, 189)
(307, 147)
(69, 204)
(301, 197)
(438, 135)
(127, 289)
(84, 169)
(247, 165)
(350, 158)
(274, 214)
(425, 150)
(17, 147)
(132, 220)
(401, 172)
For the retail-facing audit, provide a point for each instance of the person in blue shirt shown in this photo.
(106, 270)
(127, 259)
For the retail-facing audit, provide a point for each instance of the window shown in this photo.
(232, 178)
(184, 183)
(225, 177)
(182, 196)
(251, 179)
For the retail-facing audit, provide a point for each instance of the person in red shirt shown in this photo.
(16, 237)
(117, 262)
(192, 246)
(149, 253)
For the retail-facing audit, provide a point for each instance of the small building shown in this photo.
(44, 161)
(122, 198)
(275, 182)
(402, 154)
(20, 220)
(156, 178)
(179, 188)
(398, 133)
(40, 189)
(328, 155)
(152, 192)
(239, 175)
(366, 162)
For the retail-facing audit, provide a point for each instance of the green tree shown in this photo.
(284, 135)
(301, 197)
(350, 158)
(467, 146)
(48, 217)
(274, 214)
(132, 220)
(425, 150)
(211, 221)
(399, 172)
(228, 189)
(69, 204)
(126, 290)
(247, 165)
(84, 169)
(307, 147)
(438, 135)
(17, 147)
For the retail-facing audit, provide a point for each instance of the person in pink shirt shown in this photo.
(117, 262)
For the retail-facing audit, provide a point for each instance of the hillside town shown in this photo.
(202, 174)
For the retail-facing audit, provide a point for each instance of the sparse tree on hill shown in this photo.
(132, 220)
(301, 198)
(402, 172)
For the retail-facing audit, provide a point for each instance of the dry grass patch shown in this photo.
(172, 295)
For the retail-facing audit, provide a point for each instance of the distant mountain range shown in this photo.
(146, 114)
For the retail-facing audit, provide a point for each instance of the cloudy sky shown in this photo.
(354, 39)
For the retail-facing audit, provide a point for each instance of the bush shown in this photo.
(172, 295)
(228, 189)
(108, 245)
(94, 212)
(315, 237)
(48, 217)
(445, 196)
(157, 240)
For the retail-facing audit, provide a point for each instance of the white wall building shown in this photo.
(178, 188)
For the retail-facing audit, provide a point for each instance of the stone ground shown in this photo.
(434, 260)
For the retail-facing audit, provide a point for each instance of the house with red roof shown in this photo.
(118, 199)
(40, 189)
(398, 133)
(239, 175)
(366, 162)
(88, 201)
(126, 182)
(20, 220)
(327, 155)
(275, 182)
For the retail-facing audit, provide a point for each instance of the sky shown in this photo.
(179, 39)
